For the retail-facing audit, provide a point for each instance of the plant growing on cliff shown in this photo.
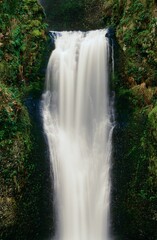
(21, 51)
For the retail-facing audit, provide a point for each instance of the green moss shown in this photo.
(153, 117)
(22, 41)
(137, 195)
(36, 33)
(21, 50)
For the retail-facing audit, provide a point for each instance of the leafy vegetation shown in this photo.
(136, 161)
(22, 44)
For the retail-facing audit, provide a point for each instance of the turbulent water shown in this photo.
(77, 122)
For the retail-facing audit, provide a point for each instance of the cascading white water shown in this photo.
(77, 123)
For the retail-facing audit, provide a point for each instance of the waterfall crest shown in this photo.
(77, 122)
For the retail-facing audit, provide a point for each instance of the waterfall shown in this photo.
(77, 121)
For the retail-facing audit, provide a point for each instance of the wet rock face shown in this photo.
(110, 33)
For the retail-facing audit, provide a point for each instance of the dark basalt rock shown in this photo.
(110, 33)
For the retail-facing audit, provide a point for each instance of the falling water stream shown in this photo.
(77, 121)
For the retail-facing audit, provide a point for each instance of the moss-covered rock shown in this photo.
(15, 145)
(136, 90)
(22, 45)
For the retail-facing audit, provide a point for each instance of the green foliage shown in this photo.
(21, 41)
(138, 120)
(136, 33)
(36, 33)
(152, 117)
(22, 44)
(14, 133)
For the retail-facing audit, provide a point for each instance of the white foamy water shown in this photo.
(77, 123)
